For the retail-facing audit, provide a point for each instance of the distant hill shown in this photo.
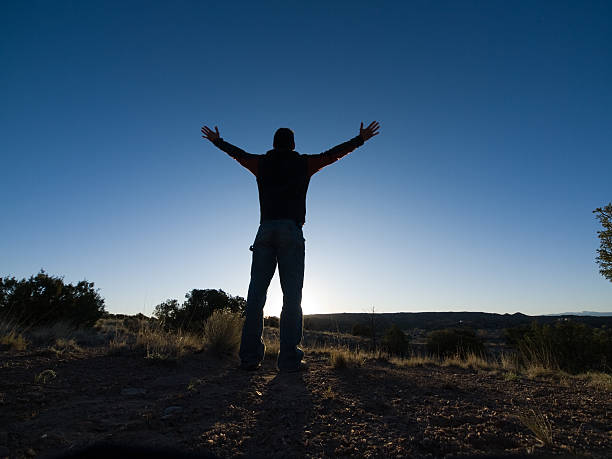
(344, 322)
(584, 313)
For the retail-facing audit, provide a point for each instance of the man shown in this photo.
(282, 176)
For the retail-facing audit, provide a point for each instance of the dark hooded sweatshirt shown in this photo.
(283, 176)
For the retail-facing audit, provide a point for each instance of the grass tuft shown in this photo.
(45, 376)
(471, 360)
(539, 425)
(344, 358)
(13, 341)
(117, 345)
(222, 333)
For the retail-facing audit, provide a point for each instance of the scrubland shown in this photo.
(128, 381)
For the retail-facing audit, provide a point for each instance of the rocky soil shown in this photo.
(207, 406)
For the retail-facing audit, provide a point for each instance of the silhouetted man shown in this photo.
(282, 178)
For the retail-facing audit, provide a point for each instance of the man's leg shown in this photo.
(291, 269)
(252, 347)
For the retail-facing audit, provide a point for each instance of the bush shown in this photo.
(198, 306)
(395, 341)
(222, 333)
(454, 342)
(361, 330)
(272, 321)
(45, 299)
(567, 345)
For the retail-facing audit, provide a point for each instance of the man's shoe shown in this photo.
(302, 366)
(250, 366)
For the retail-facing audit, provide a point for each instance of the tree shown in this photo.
(45, 299)
(197, 308)
(604, 258)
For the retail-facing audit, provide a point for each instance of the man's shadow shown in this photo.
(282, 417)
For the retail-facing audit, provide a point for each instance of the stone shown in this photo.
(133, 391)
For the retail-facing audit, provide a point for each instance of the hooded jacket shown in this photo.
(283, 176)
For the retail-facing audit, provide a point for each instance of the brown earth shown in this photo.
(205, 405)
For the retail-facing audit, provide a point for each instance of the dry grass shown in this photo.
(118, 345)
(345, 358)
(272, 350)
(414, 361)
(472, 361)
(539, 425)
(601, 381)
(64, 345)
(14, 341)
(222, 333)
(165, 346)
(536, 370)
(509, 362)
(45, 376)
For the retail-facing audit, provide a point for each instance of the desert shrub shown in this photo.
(44, 299)
(341, 359)
(567, 345)
(359, 329)
(222, 333)
(198, 306)
(395, 341)
(454, 342)
(272, 321)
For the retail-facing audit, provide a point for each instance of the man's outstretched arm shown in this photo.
(318, 162)
(248, 160)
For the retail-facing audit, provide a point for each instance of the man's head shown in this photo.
(283, 139)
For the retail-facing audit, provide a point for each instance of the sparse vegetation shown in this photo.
(13, 341)
(45, 376)
(345, 358)
(360, 329)
(568, 345)
(222, 333)
(395, 341)
(272, 321)
(160, 345)
(539, 425)
(451, 342)
(272, 349)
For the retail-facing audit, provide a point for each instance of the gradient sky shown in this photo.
(477, 195)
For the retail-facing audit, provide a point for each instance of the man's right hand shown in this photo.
(370, 131)
(210, 134)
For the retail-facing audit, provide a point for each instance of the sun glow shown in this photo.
(311, 303)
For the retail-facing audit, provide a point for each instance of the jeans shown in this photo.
(282, 242)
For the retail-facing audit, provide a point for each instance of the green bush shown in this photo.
(45, 299)
(454, 342)
(567, 345)
(196, 309)
(395, 341)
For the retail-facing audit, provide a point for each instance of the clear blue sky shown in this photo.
(477, 195)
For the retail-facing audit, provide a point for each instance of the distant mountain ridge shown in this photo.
(344, 322)
(583, 313)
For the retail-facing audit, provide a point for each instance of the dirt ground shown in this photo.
(204, 405)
